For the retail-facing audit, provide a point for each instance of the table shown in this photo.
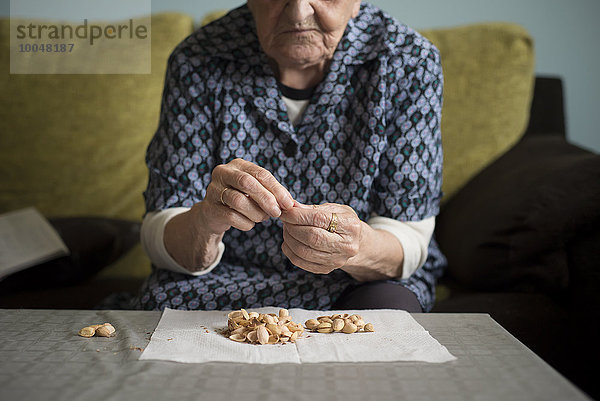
(43, 358)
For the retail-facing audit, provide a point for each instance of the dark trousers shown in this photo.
(378, 295)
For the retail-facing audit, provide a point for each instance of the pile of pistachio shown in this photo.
(337, 323)
(270, 328)
(263, 328)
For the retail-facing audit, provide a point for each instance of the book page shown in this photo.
(27, 239)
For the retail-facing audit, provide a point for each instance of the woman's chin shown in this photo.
(301, 58)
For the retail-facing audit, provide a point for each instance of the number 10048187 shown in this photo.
(46, 48)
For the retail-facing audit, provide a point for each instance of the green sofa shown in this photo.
(73, 145)
(518, 220)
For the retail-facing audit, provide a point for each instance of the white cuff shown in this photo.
(152, 238)
(414, 236)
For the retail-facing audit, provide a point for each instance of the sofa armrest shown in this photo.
(547, 115)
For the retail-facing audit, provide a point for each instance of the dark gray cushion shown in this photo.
(507, 229)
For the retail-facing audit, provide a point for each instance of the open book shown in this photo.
(27, 239)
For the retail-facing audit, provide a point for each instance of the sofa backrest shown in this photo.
(488, 87)
(74, 145)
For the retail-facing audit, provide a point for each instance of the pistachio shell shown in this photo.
(263, 335)
(283, 312)
(239, 330)
(240, 338)
(324, 325)
(369, 327)
(87, 332)
(349, 328)
(311, 324)
(252, 336)
(338, 324)
(295, 327)
(106, 330)
(245, 313)
(274, 329)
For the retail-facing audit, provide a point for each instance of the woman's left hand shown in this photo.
(321, 238)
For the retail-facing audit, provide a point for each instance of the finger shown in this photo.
(268, 181)
(304, 264)
(233, 218)
(314, 217)
(321, 255)
(229, 198)
(312, 237)
(242, 204)
(338, 247)
(246, 182)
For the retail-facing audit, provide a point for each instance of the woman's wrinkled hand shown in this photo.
(240, 195)
(313, 242)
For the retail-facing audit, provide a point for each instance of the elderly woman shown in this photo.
(297, 163)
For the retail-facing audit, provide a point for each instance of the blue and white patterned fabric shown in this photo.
(370, 138)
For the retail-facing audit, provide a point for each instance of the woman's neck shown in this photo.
(300, 77)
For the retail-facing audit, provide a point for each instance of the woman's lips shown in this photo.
(299, 31)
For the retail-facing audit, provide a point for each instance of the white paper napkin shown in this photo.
(197, 336)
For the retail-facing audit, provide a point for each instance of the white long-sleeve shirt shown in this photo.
(414, 238)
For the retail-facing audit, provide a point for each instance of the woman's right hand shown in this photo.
(242, 194)
(239, 195)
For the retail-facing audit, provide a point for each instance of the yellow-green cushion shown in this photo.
(488, 85)
(75, 144)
